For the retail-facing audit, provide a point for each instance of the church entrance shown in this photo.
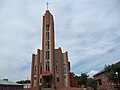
(48, 82)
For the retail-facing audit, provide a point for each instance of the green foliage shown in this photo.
(82, 80)
(23, 81)
(113, 73)
(91, 83)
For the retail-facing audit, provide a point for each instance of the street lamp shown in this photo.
(117, 77)
(116, 73)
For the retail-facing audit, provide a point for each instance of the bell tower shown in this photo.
(48, 48)
(50, 66)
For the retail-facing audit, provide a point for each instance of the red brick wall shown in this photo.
(10, 87)
(73, 82)
(104, 82)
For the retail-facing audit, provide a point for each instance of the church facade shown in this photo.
(50, 66)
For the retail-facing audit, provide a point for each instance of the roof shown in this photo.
(104, 70)
(5, 82)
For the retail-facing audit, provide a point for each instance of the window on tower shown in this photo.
(48, 65)
(47, 55)
(47, 27)
(47, 35)
(47, 45)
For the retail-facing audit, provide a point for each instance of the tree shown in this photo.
(113, 73)
(91, 83)
(82, 80)
(23, 81)
(78, 79)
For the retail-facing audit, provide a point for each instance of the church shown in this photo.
(51, 67)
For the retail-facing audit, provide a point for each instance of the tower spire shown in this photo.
(47, 5)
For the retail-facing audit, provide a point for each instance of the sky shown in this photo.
(88, 29)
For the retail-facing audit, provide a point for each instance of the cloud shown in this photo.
(92, 72)
(88, 29)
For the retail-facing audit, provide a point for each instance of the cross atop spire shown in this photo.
(47, 5)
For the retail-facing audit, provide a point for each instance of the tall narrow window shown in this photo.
(48, 65)
(57, 79)
(40, 68)
(57, 66)
(47, 55)
(47, 35)
(35, 69)
(48, 45)
(47, 27)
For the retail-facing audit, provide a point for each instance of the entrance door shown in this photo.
(48, 82)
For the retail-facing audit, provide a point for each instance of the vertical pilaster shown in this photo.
(32, 70)
(52, 48)
(38, 68)
(61, 70)
(43, 27)
(67, 66)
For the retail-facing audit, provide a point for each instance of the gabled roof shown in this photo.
(104, 70)
(5, 82)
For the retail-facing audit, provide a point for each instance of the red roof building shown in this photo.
(103, 82)
(8, 85)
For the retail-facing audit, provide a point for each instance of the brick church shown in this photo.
(50, 66)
